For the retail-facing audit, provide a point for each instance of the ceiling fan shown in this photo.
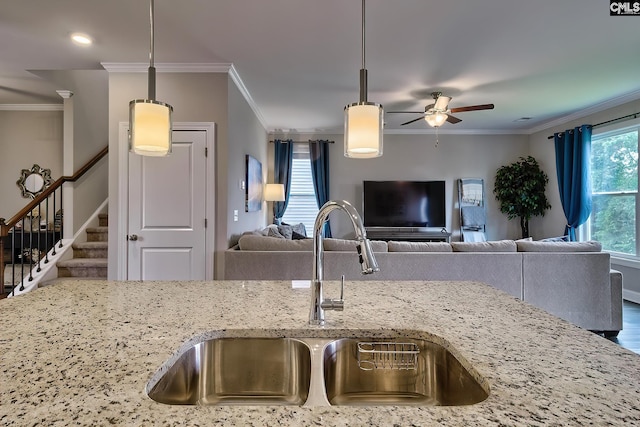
(437, 113)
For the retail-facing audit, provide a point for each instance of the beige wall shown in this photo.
(246, 136)
(27, 138)
(195, 97)
(415, 157)
(86, 112)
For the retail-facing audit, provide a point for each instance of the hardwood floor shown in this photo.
(629, 336)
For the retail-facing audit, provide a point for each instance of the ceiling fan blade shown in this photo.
(473, 108)
(411, 121)
(453, 120)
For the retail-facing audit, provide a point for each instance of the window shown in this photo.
(614, 173)
(302, 206)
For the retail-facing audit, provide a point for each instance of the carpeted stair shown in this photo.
(90, 258)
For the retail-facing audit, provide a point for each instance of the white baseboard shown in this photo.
(632, 296)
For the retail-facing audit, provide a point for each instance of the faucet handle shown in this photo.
(335, 304)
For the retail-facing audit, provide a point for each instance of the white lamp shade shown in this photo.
(436, 119)
(150, 127)
(274, 192)
(363, 130)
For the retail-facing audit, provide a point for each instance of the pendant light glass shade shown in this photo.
(150, 120)
(150, 127)
(363, 130)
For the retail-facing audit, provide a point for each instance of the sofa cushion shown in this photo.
(490, 246)
(345, 245)
(419, 247)
(266, 243)
(559, 246)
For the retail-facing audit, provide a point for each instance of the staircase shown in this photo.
(90, 258)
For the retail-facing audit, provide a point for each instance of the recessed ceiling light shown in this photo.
(81, 39)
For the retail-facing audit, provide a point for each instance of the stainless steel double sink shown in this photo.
(317, 372)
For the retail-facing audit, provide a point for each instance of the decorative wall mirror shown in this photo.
(34, 181)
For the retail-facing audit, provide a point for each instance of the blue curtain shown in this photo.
(319, 155)
(283, 157)
(573, 166)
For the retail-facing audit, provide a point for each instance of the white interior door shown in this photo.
(167, 211)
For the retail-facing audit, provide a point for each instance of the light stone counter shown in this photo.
(82, 353)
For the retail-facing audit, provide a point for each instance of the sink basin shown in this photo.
(238, 371)
(316, 372)
(417, 373)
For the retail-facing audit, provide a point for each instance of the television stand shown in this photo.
(409, 234)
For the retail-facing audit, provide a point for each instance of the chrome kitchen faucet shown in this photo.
(368, 262)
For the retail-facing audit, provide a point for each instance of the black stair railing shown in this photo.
(29, 240)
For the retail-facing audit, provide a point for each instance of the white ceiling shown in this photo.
(299, 59)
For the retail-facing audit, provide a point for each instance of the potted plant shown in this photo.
(520, 189)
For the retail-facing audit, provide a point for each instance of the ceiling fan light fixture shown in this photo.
(150, 120)
(363, 121)
(436, 119)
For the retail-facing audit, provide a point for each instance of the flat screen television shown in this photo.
(404, 204)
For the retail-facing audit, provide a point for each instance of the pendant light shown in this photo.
(363, 120)
(150, 120)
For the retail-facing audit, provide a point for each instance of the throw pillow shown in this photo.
(272, 231)
(297, 236)
(298, 228)
(285, 230)
(556, 239)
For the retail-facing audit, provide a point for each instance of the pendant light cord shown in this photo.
(152, 69)
(363, 70)
(363, 41)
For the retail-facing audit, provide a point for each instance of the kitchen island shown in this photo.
(82, 353)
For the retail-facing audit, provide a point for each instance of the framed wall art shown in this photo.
(253, 189)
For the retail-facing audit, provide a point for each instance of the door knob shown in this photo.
(132, 237)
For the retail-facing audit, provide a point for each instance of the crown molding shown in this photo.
(612, 103)
(430, 131)
(235, 78)
(166, 67)
(31, 107)
(65, 94)
(226, 68)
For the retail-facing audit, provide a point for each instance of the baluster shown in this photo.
(61, 218)
(53, 195)
(46, 255)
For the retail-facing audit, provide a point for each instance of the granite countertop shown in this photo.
(82, 353)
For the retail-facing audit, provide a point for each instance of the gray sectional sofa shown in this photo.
(572, 280)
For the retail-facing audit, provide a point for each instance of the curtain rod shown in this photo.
(628, 116)
(304, 142)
